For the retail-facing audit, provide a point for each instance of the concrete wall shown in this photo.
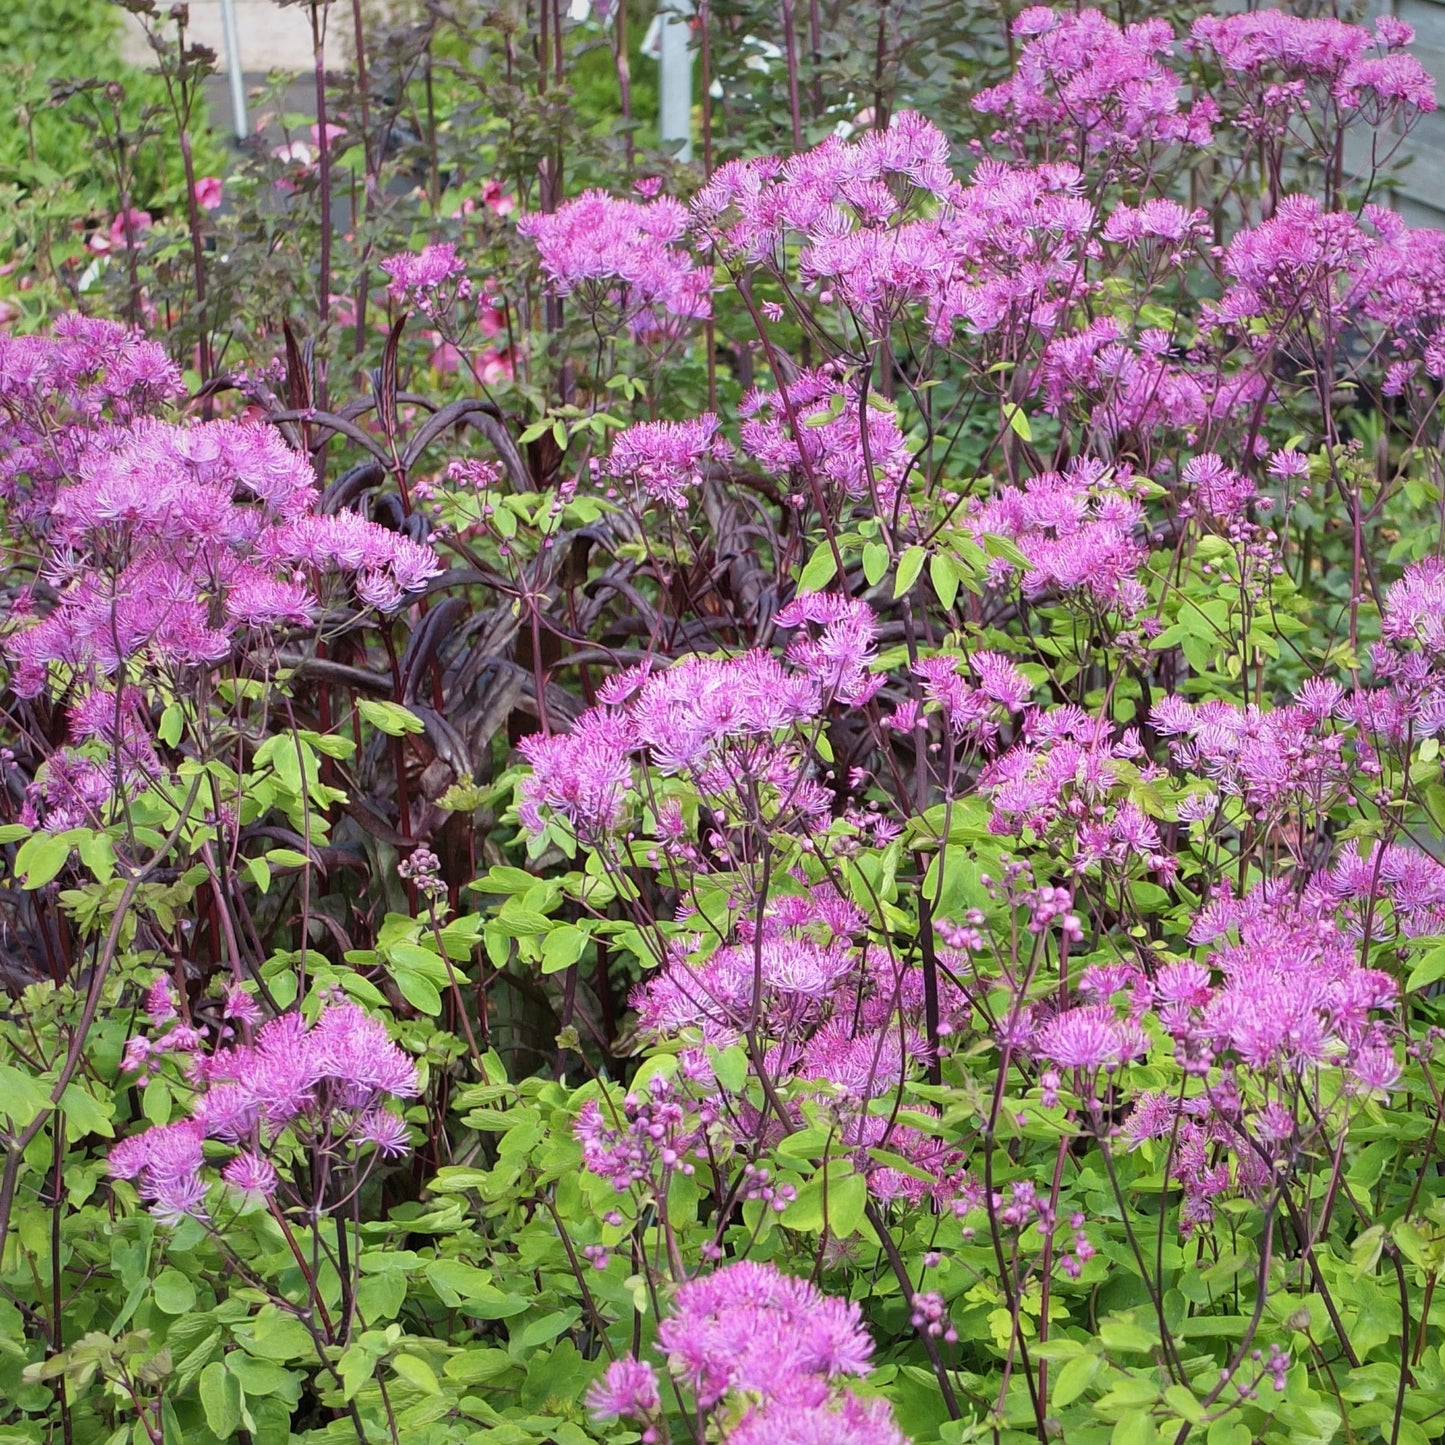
(1421, 195)
(272, 38)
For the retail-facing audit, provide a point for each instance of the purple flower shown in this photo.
(419, 279)
(838, 658)
(318, 1081)
(386, 1131)
(1089, 1038)
(664, 460)
(165, 1161)
(748, 1327)
(251, 1174)
(1082, 74)
(845, 1421)
(623, 257)
(627, 1391)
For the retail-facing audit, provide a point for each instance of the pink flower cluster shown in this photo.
(766, 1350)
(663, 461)
(112, 754)
(327, 1083)
(56, 391)
(1298, 54)
(166, 547)
(839, 1021)
(1079, 531)
(172, 539)
(719, 721)
(831, 430)
(431, 279)
(621, 258)
(1103, 87)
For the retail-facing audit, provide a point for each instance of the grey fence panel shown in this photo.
(1420, 192)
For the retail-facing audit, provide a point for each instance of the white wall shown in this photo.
(272, 37)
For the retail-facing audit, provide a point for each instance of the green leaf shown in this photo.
(875, 563)
(1074, 1377)
(381, 1296)
(1018, 422)
(477, 1365)
(97, 852)
(458, 1178)
(1005, 547)
(501, 879)
(1135, 1428)
(455, 1280)
(421, 993)
(730, 1067)
(1180, 1399)
(539, 1332)
(171, 723)
(357, 1366)
(1229, 1432)
(84, 1113)
(416, 959)
(41, 857)
(173, 1292)
(1366, 1250)
(460, 1284)
(22, 1097)
(517, 921)
(562, 947)
(415, 1371)
(805, 1213)
(390, 718)
(221, 1398)
(275, 1335)
(910, 565)
(1118, 1334)
(1429, 970)
(847, 1199)
(1410, 1242)
(262, 1377)
(819, 571)
(945, 580)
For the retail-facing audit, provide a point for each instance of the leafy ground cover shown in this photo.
(789, 799)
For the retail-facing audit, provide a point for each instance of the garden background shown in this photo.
(785, 789)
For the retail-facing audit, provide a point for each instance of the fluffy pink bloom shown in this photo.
(1078, 531)
(626, 1391)
(428, 278)
(623, 257)
(1091, 1037)
(749, 1328)
(250, 1173)
(1081, 75)
(838, 656)
(165, 1162)
(842, 435)
(384, 1130)
(664, 460)
(1358, 69)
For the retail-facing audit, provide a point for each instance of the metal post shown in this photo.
(232, 41)
(674, 119)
